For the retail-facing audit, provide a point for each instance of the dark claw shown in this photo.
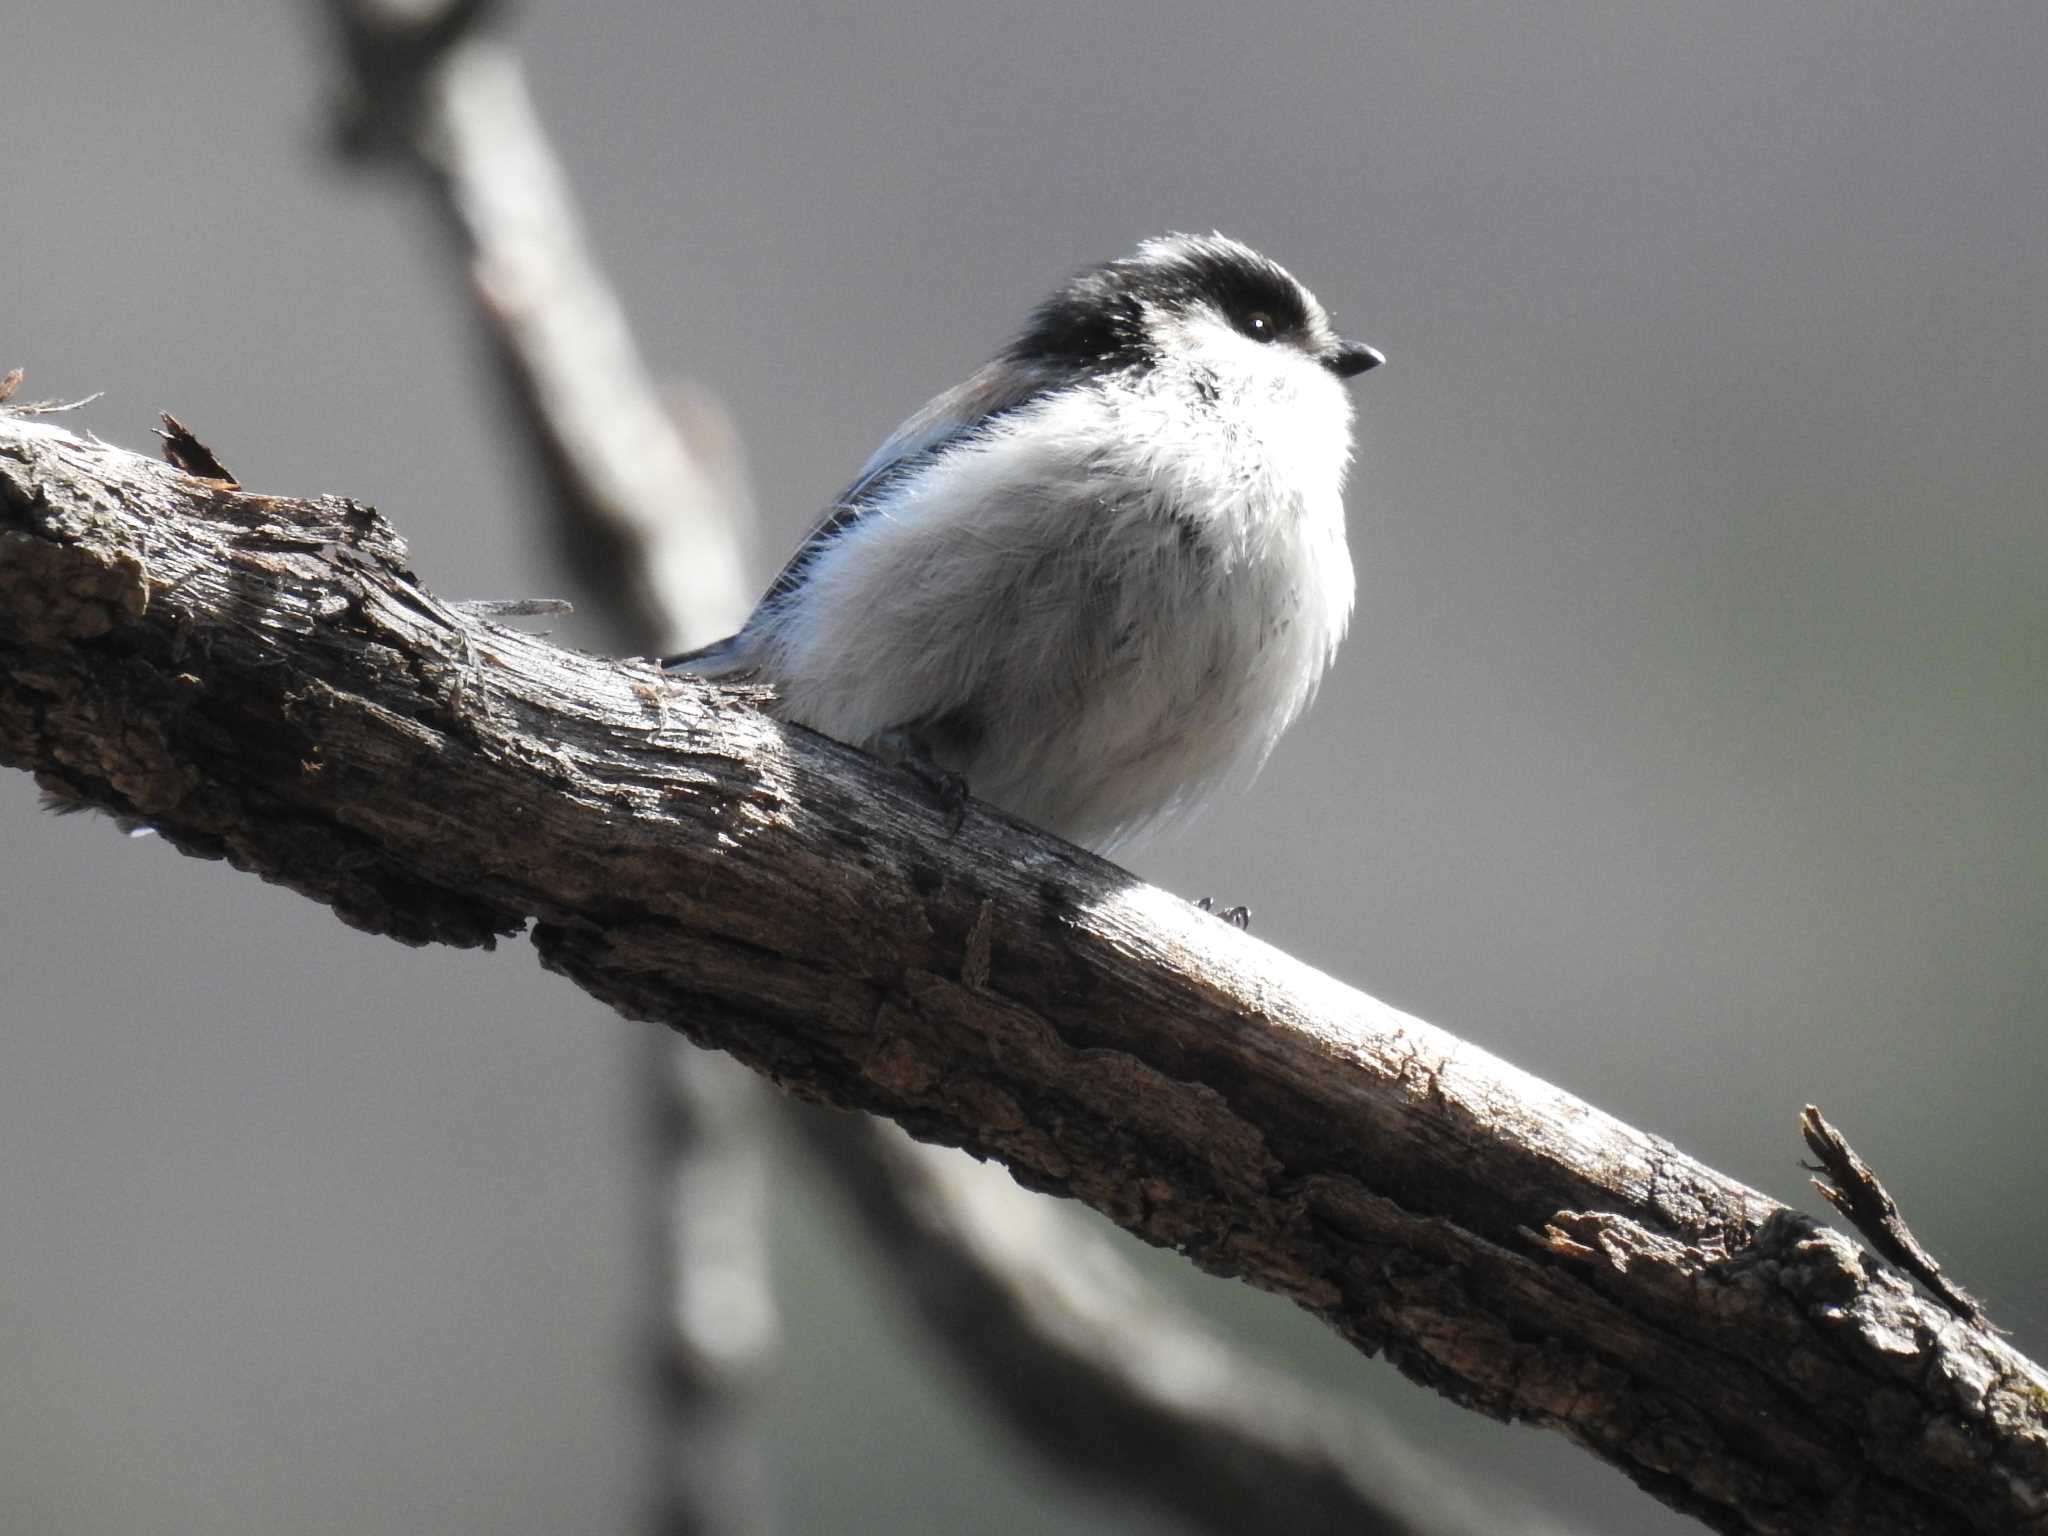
(1239, 918)
(907, 751)
(950, 790)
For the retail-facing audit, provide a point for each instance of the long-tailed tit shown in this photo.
(1102, 575)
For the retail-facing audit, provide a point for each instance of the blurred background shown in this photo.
(1690, 747)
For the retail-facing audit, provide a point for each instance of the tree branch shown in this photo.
(263, 680)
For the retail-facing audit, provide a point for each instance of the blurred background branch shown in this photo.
(645, 523)
(640, 522)
(1102, 1373)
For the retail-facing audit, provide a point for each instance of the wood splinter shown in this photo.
(1856, 1192)
(184, 451)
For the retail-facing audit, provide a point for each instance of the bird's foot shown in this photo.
(1239, 918)
(905, 749)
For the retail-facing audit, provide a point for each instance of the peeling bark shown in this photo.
(263, 680)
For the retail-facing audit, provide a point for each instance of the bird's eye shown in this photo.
(1260, 326)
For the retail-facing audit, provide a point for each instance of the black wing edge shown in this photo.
(996, 390)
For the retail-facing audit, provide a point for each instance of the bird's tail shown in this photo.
(714, 660)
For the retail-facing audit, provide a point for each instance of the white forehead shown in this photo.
(1200, 339)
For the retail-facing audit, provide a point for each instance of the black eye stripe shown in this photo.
(1098, 319)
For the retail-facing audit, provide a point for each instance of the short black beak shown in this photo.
(1348, 359)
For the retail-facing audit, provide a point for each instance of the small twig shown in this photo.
(11, 381)
(1857, 1194)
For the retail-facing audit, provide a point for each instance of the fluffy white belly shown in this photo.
(1094, 641)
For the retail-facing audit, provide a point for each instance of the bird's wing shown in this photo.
(962, 411)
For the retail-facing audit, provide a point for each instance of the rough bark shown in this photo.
(262, 680)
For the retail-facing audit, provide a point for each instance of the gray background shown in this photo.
(1688, 748)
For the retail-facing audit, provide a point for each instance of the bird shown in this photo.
(1097, 579)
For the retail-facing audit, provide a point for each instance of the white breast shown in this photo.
(1099, 611)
